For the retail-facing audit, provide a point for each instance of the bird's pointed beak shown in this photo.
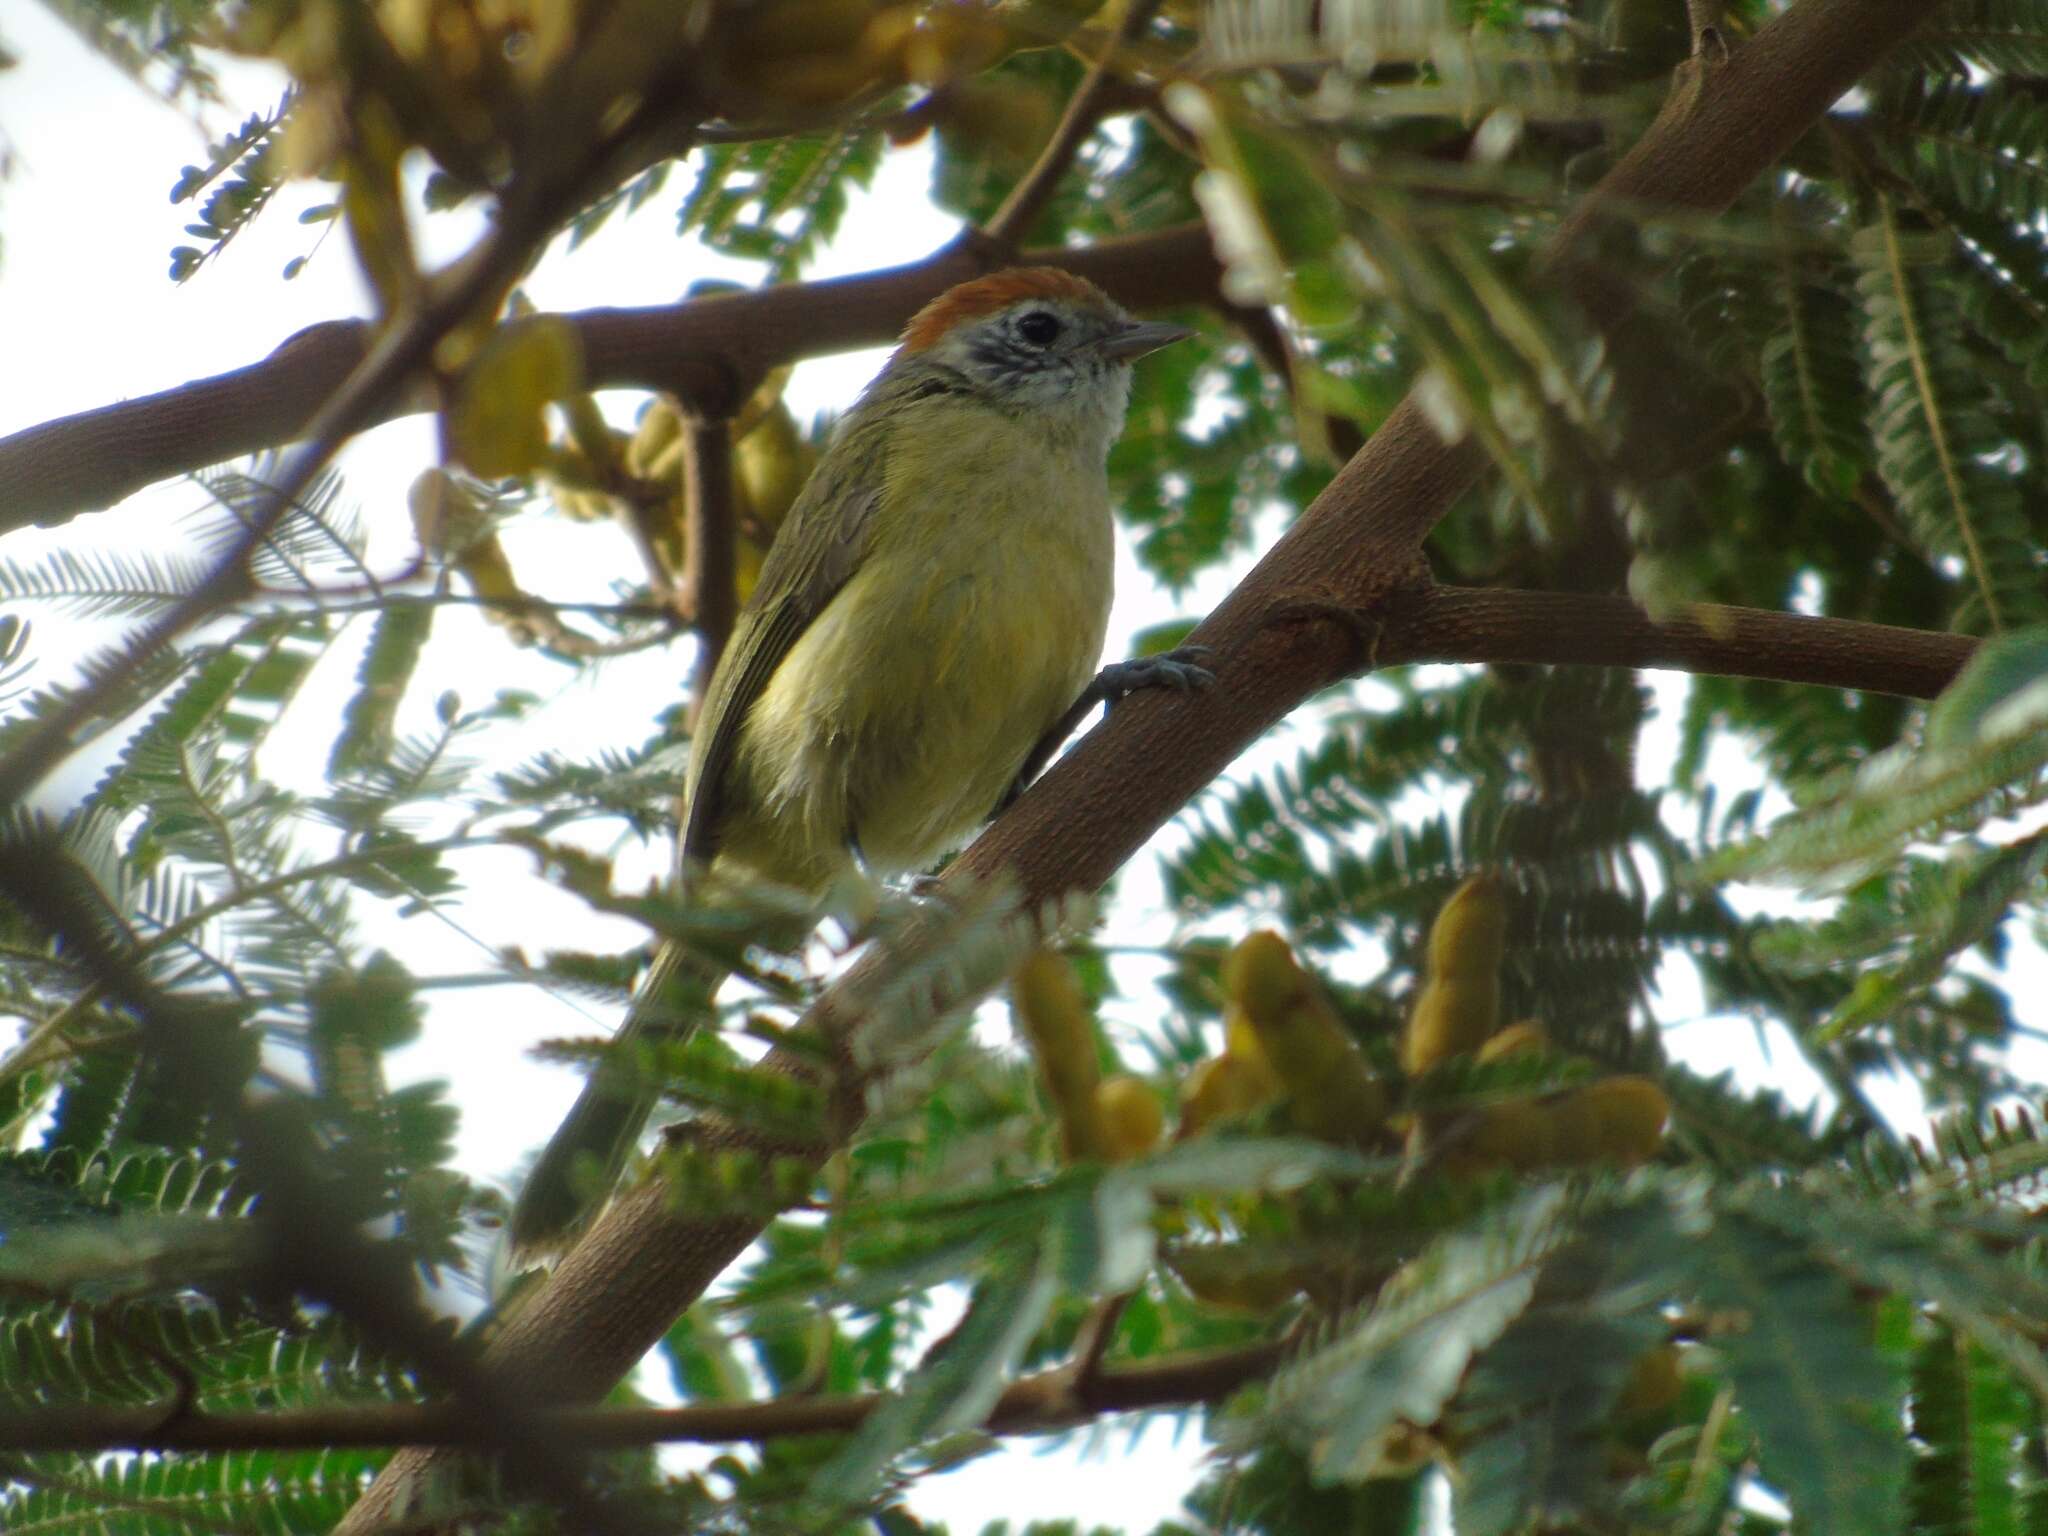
(1140, 337)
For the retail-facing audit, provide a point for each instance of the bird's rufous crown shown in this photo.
(992, 294)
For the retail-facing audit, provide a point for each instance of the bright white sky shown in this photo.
(88, 316)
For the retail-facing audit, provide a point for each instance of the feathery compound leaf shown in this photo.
(1533, 1415)
(1967, 1418)
(1980, 155)
(252, 174)
(1732, 1128)
(942, 959)
(2001, 1159)
(1978, 146)
(103, 583)
(1984, 754)
(963, 1375)
(1980, 890)
(778, 200)
(1939, 448)
(1402, 1358)
(1965, 36)
(387, 667)
(1821, 1400)
(1811, 366)
(1993, 1300)
(282, 1491)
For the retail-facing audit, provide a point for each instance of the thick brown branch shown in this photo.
(1558, 628)
(705, 351)
(1050, 1400)
(643, 1261)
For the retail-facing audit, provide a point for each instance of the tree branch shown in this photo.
(643, 1261)
(1580, 629)
(705, 351)
(1036, 1404)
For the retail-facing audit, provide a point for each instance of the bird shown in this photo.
(924, 632)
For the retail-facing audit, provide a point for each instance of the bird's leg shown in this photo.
(1180, 669)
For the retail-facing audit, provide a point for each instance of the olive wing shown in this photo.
(820, 546)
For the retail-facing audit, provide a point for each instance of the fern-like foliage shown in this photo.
(1937, 434)
(1783, 1315)
(241, 170)
(777, 200)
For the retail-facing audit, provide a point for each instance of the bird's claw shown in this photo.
(1180, 669)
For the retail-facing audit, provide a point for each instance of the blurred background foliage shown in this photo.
(1494, 1290)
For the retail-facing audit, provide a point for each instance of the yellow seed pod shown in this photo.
(1260, 975)
(1459, 1003)
(1469, 936)
(1528, 1038)
(582, 506)
(1049, 1009)
(446, 517)
(660, 425)
(1452, 1017)
(1232, 1279)
(952, 44)
(771, 462)
(1040, 23)
(1520, 1134)
(1654, 1382)
(592, 435)
(1131, 1119)
(783, 29)
(1574, 1138)
(1008, 121)
(496, 421)
(1331, 1092)
(409, 27)
(1616, 1120)
(1242, 1040)
(810, 80)
(1223, 1088)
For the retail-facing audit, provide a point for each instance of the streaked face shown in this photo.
(1037, 339)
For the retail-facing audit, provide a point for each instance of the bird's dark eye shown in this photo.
(1039, 328)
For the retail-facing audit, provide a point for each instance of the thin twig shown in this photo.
(1098, 1332)
(1034, 1404)
(1085, 108)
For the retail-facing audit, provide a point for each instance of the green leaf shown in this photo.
(1820, 1400)
(1403, 1357)
(1533, 1415)
(1939, 447)
(2001, 691)
(387, 667)
(1967, 1417)
(959, 1381)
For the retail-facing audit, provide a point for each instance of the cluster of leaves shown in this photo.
(243, 165)
(127, 1282)
(1832, 396)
